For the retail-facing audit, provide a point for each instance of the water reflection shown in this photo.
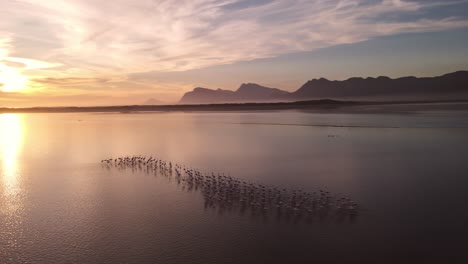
(11, 138)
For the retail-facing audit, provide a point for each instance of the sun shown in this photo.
(11, 80)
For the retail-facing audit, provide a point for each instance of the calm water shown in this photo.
(409, 173)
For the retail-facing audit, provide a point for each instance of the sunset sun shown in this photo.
(12, 80)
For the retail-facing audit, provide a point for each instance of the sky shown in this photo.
(87, 52)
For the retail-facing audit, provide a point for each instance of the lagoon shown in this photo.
(407, 171)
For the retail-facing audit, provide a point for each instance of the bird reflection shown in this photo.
(229, 194)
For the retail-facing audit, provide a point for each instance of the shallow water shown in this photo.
(409, 174)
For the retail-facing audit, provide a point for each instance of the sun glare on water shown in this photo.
(11, 137)
(11, 192)
(11, 80)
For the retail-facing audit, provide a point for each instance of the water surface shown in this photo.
(58, 204)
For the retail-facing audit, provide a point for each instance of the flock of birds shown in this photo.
(229, 193)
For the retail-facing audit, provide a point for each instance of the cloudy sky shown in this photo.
(87, 52)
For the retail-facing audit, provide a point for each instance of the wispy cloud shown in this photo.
(104, 39)
(125, 36)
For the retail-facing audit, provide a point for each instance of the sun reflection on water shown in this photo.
(11, 193)
(11, 137)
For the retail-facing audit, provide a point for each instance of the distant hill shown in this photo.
(153, 101)
(247, 92)
(452, 86)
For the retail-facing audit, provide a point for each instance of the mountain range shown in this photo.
(452, 86)
(247, 92)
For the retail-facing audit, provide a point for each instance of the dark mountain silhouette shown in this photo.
(255, 92)
(247, 92)
(201, 95)
(448, 86)
(452, 86)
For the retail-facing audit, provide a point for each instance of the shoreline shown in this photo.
(324, 106)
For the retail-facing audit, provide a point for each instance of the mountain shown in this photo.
(448, 86)
(452, 86)
(247, 92)
(153, 101)
(201, 95)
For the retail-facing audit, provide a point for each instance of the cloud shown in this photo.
(5, 44)
(115, 87)
(122, 36)
(28, 64)
(64, 82)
